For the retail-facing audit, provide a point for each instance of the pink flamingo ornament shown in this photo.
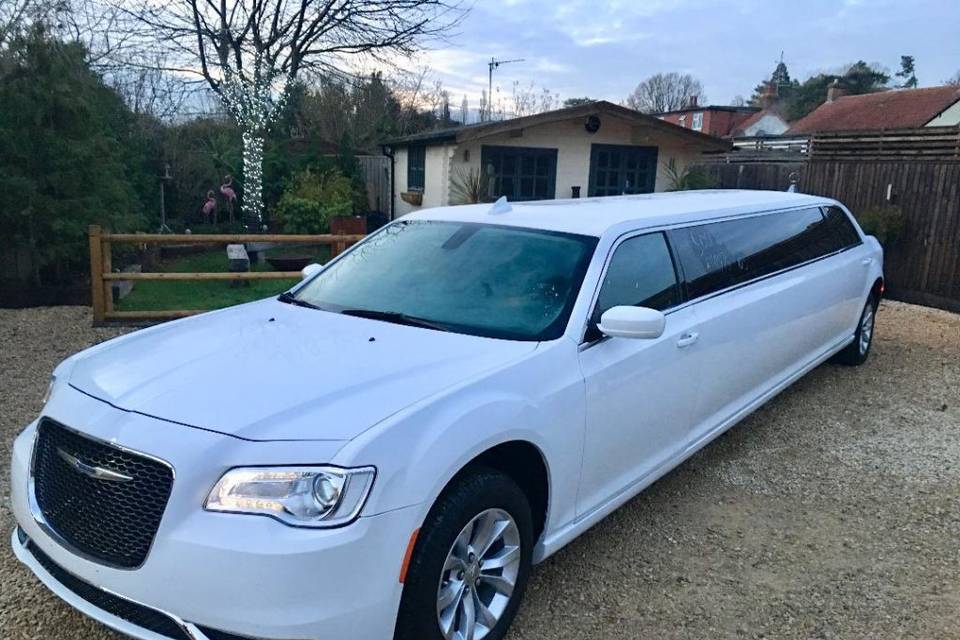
(226, 189)
(210, 208)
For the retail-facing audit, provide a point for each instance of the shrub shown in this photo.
(885, 221)
(687, 179)
(311, 199)
(469, 186)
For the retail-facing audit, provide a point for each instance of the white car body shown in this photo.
(268, 383)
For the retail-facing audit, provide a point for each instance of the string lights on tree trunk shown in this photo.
(254, 102)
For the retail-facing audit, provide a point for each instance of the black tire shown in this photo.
(471, 494)
(854, 354)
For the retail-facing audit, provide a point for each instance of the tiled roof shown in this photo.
(895, 109)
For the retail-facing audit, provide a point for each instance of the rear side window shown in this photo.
(723, 254)
(640, 274)
(842, 231)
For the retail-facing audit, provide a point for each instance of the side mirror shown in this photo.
(632, 322)
(310, 270)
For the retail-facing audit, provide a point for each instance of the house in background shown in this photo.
(894, 109)
(726, 122)
(595, 149)
(764, 123)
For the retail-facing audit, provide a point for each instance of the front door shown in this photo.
(617, 170)
(640, 393)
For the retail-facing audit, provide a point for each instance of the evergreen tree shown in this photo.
(907, 73)
(784, 87)
(69, 156)
(859, 78)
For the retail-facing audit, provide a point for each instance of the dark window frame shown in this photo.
(646, 154)
(416, 168)
(494, 155)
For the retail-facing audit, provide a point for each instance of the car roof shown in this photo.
(596, 216)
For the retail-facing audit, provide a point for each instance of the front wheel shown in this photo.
(857, 351)
(471, 562)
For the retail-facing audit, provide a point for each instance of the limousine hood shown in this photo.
(274, 371)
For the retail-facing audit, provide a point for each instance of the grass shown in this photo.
(157, 295)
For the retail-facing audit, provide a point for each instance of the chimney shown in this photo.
(692, 102)
(834, 91)
(770, 95)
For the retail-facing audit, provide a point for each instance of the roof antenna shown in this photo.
(500, 206)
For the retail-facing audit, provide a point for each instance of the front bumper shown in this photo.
(238, 574)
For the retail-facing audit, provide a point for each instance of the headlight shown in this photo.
(299, 496)
(49, 392)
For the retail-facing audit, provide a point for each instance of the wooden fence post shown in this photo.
(106, 256)
(96, 274)
(339, 247)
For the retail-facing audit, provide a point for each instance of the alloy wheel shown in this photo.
(866, 329)
(479, 576)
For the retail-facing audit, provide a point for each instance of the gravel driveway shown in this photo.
(833, 512)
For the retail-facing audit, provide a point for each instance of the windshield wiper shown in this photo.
(395, 317)
(289, 298)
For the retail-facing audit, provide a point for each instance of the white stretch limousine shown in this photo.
(386, 449)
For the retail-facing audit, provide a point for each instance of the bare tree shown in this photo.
(13, 15)
(529, 100)
(665, 92)
(411, 90)
(250, 51)
(953, 81)
(738, 101)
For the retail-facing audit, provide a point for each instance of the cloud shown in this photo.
(603, 48)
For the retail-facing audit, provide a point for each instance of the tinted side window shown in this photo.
(640, 274)
(842, 231)
(723, 254)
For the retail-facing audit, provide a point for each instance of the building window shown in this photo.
(697, 121)
(683, 120)
(617, 170)
(416, 168)
(520, 173)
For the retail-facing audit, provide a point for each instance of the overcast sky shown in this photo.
(603, 48)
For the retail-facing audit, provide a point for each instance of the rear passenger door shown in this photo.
(640, 393)
(767, 301)
(850, 266)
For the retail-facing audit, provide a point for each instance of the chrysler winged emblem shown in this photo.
(97, 473)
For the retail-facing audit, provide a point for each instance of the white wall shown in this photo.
(436, 178)
(949, 118)
(768, 125)
(573, 157)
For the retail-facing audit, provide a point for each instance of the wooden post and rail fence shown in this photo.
(102, 275)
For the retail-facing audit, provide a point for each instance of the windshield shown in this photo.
(480, 279)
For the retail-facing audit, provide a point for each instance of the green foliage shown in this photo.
(780, 79)
(469, 186)
(577, 102)
(798, 99)
(907, 73)
(859, 78)
(687, 178)
(886, 222)
(312, 199)
(69, 154)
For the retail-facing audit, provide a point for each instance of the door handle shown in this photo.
(866, 261)
(687, 339)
